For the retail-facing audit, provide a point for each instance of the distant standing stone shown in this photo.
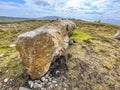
(117, 35)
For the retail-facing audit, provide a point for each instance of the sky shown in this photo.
(91, 10)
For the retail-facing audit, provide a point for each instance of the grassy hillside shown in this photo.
(94, 62)
(10, 66)
(4, 19)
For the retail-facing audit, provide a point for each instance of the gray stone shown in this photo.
(56, 85)
(46, 81)
(51, 86)
(36, 85)
(23, 88)
(50, 79)
(30, 83)
(38, 81)
(54, 81)
(43, 79)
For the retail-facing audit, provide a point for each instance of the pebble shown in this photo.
(12, 45)
(38, 81)
(43, 84)
(30, 83)
(46, 75)
(1, 55)
(23, 88)
(57, 72)
(7, 71)
(43, 79)
(54, 81)
(10, 88)
(43, 88)
(51, 86)
(65, 84)
(50, 79)
(46, 81)
(56, 85)
(6, 80)
(36, 85)
(49, 83)
(65, 89)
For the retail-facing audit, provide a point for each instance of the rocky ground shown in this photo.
(92, 62)
(55, 78)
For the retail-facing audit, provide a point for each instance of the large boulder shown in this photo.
(37, 48)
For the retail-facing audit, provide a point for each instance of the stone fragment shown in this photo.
(23, 88)
(6, 80)
(12, 45)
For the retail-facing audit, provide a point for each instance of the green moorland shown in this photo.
(95, 61)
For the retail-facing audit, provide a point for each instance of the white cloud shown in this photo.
(69, 5)
(84, 9)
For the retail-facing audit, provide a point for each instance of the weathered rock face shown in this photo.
(117, 35)
(37, 48)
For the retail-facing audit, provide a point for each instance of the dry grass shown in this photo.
(95, 61)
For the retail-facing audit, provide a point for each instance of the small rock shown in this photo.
(56, 85)
(6, 80)
(71, 42)
(49, 78)
(46, 81)
(38, 81)
(43, 88)
(46, 75)
(65, 84)
(57, 72)
(49, 83)
(54, 82)
(30, 83)
(7, 71)
(43, 84)
(12, 45)
(65, 89)
(10, 88)
(1, 55)
(36, 85)
(23, 88)
(43, 79)
(51, 86)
